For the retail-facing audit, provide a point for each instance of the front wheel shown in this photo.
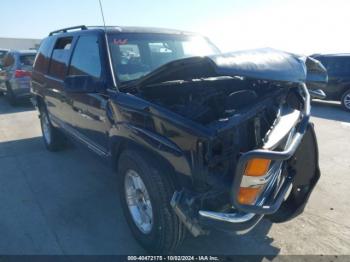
(345, 100)
(145, 193)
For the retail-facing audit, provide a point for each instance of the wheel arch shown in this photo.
(123, 144)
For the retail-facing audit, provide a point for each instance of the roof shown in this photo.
(139, 29)
(125, 29)
(332, 55)
(23, 52)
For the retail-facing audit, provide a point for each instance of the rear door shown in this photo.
(338, 69)
(89, 109)
(55, 94)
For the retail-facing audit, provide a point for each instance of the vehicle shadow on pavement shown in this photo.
(329, 110)
(21, 106)
(67, 203)
(255, 242)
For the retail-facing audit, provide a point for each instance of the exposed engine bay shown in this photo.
(210, 99)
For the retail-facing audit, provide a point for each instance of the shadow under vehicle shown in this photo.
(338, 69)
(199, 139)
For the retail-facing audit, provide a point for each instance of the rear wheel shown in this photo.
(345, 100)
(52, 137)
(11, 98)
(145, 193)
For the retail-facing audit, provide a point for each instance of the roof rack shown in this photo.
(65, 30)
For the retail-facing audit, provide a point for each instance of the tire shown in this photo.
(10, 96)
(345, 101)
(53, 138)
(166, 232)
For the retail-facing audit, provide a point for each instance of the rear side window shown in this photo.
(41, 63)
(86, 58)
(27, 60)
(60, 57)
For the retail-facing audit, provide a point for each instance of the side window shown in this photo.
(338, 66)
(9, 60)
(42, 59)
(86, 58)
(60, 57)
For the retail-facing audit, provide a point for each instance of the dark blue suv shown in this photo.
(338, 68)
(199, 139)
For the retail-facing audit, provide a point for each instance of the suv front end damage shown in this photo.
(273, 175)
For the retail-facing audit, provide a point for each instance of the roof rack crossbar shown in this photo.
(65, 30)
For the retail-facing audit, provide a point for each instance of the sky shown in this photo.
(298, 26)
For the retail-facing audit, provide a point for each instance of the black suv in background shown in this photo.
(199, 139)
(338, 68)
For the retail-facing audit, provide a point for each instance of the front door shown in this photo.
(89, 109)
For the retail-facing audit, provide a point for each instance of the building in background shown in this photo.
(19, 43)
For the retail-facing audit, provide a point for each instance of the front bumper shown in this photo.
(282, 199)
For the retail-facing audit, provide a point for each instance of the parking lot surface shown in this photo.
(67, 202)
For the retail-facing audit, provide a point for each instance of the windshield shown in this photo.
(135, 55)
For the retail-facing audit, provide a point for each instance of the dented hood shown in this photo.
(264, 64)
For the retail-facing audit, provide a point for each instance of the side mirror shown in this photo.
(82, 84)
(317, 94)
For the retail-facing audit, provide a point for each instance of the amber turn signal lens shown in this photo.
(257, 167)
(247, 195)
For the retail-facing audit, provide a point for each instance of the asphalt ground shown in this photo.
(67, 202)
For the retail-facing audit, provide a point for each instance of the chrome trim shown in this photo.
(227, 217)
(288, 152)
(246, 213)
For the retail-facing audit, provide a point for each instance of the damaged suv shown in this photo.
(199, 139)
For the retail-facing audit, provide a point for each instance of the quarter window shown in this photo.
(60, 57)
(86, 57)
(41, 63)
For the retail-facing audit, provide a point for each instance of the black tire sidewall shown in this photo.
(343, 102)
(43, 112)
(56, 140)
(10, 96)
(131, 160)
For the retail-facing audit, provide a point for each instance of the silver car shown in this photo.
(16, 74)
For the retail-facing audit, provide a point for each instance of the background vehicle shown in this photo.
(3, 52)
(199, 139)
(16, 74)
(338, 68)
